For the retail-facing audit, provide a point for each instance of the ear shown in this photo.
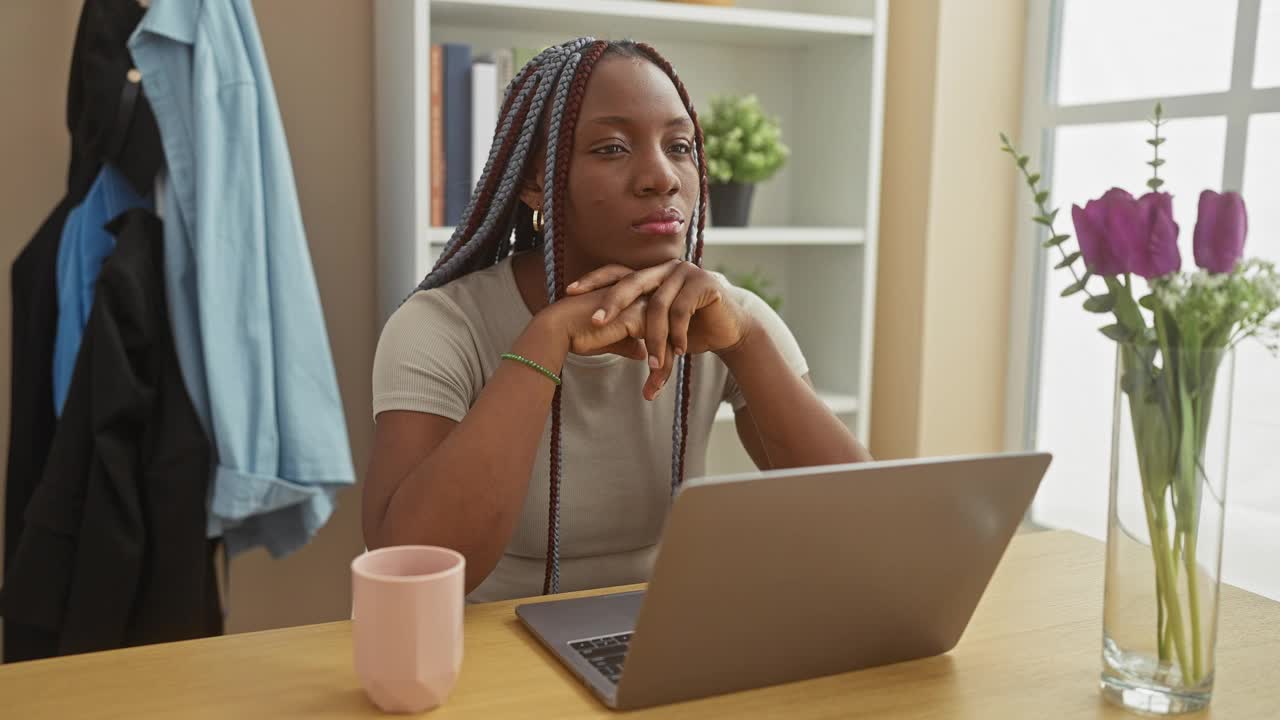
(531, 192)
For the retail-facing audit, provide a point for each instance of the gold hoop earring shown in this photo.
(537, 221)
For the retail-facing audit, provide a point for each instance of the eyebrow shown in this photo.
(677, 121)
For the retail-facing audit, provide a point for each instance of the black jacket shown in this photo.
(114, 551)
(109, 120)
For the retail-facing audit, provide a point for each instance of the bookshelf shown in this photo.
(818, 65)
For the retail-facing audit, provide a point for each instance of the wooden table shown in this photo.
(1032, 651)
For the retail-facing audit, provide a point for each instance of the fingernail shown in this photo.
(572, 286)
(679, 352)
(599, 315)
(653, 362)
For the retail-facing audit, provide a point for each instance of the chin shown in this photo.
(649, 250)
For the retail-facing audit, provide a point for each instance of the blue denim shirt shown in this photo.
(84, 247)
(247, 322)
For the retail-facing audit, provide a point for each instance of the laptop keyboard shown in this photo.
(605, 654)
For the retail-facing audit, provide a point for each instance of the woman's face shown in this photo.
(632, 178)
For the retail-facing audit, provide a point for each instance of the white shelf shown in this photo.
(840, 404)
(767, 236)
(647, 18)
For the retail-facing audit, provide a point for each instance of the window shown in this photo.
(1216, 68)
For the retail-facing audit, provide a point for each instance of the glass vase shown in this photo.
(1171, 430)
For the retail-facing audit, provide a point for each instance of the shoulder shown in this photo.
(424, 314)
(427, 358)
(457, 308)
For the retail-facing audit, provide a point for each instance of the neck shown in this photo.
(531, 275)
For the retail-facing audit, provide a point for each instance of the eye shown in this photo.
(681, 148)
(613, 149)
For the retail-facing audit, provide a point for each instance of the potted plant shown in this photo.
(743, 147)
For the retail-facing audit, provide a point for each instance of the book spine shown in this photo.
(457, 131)
(437, 136)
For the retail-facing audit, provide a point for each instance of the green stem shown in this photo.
(1165, 637)
(1193, 598)
(1164, 571)
(1185, 488)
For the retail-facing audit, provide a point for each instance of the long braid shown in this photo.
(694, 244)
(564, 117)
(499, 152)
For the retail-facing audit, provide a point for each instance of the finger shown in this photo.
(632, 319)
(656, 321)
(627, 347)
(693, 295)
(627, 290)
(658, 378)
(598, 278)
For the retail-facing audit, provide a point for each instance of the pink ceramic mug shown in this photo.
(407, 605)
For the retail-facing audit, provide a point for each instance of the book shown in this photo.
(457, 130)
(437, 136)
(484, 114)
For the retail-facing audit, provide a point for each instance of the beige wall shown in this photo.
(321, 57)
(946, 234)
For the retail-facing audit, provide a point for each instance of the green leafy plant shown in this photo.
(742, 144)
(756, 282)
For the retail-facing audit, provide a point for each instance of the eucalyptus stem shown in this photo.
(1047, 216)
(1155, 142)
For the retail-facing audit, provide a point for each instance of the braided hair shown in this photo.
(484, 236)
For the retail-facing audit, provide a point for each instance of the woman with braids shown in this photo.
(523, 411)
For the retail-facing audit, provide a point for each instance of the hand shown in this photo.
(687, 312)
(570, 318)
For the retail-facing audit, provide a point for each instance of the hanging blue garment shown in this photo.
(247, 321)
(85, 245)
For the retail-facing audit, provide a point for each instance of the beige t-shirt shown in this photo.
(441, 346)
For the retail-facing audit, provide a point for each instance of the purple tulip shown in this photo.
(1156, 249)
(1220, 229)
(1094, 229)
(1120, 234)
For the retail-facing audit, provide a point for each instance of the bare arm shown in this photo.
(749, 435)
(784, 424)
(462, 485)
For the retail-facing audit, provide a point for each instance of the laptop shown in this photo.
(771, 577)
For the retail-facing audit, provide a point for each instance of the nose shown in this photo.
(656, 175)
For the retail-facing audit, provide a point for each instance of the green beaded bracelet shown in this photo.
(526, 361)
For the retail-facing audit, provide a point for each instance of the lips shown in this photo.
(667, 221)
